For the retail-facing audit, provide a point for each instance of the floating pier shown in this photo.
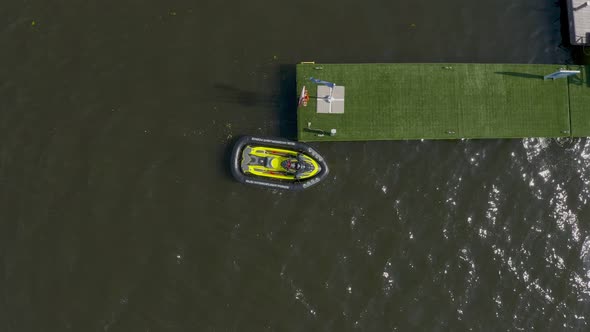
(442, 101)
(579, 21)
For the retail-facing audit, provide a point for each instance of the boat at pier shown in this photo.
(277, 163)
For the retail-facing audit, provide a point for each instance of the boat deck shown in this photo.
(579, 21)
(445, 101)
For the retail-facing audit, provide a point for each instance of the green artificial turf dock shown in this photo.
(579, 93)
(446, 101)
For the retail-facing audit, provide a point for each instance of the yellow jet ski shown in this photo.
(277, 163)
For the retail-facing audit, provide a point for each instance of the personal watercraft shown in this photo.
(277, 163)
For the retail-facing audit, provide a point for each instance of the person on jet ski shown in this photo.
(291, 165)
(294, 166)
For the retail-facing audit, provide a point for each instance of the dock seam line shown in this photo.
(569, 108)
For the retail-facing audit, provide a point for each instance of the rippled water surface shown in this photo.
(118, 213)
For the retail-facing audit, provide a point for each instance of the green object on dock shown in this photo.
(446, 101)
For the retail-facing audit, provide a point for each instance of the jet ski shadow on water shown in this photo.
(277, 163)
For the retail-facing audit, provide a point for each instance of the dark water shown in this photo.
(117, 211)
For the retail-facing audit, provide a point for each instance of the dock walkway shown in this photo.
(579, 21)
(445, 101)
